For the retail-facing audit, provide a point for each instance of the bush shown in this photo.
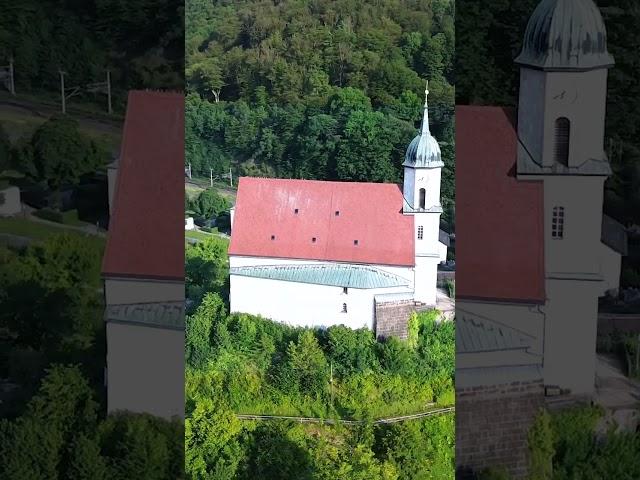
(70, 217)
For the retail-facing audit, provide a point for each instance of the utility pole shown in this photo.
(331, 382)
(109, 109)
(211, 176)
(230, 178)
(62, 94)
(12, 85)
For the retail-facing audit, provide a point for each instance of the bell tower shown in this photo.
(561, 118)
(422, 172)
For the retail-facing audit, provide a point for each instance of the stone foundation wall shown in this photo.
(392, 318)
(492, 426)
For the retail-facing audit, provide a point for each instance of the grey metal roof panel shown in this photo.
(475, 334)
(332, 274)
(565, 35)
(614, 235)
(488, 376)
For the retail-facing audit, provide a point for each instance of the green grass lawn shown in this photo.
(197, 234)
(40, 231)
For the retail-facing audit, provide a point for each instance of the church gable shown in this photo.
(327, 221)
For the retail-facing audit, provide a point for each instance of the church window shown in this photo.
(344, 308)
(273, 237)
(355, 242)
(563, 128)
(420, 232)
(557, 223)
(423, 198)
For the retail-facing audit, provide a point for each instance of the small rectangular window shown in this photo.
(355, 242)
(295, 211)
(345, 290)
(337, 213)
(420, 232)
(557, 223)
(273, 237)
(344, 308)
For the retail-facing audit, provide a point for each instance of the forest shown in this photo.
(488, 38)
(243, 364)
(52, 398)
(87, 38)
(328, 90)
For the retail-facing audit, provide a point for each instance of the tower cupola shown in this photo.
(565, 35)
(424, 151)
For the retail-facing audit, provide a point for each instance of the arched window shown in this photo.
(344, 308)
(423, 198)
(563, 131)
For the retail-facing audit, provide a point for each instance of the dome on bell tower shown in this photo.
(565, 35)
(423, 150)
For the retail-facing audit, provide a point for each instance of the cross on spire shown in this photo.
(425, 115)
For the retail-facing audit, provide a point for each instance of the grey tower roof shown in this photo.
(424, 151)
(565, 35)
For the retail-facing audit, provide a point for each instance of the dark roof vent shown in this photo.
(355, 242)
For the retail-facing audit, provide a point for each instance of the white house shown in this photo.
(320, 253)
(532, 251)
(143, 265)
(10, 201)
(188, 223)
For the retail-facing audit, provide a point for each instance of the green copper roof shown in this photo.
(339, 275)
(168, 315)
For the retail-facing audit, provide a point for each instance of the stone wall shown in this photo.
(492, 425)
(392, 318)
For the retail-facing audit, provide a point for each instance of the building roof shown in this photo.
(424, 151)
(475, 334)
(499, 219)
(444, 238)
(351, 222)
(162, 314)
(333, 274)
(614, 235)
(145, 237)
(565, 35)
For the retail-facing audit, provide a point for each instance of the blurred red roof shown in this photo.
(370, 213)
(146, 238)
(499, 219)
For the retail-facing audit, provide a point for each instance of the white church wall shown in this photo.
(303, 304)
(10, 201)
(611, 264)
(442, 252)
(578, 252)
(570, 334)
(426, 278)
(145, 365)
(531, 111)
(580, 97)
(145, 370)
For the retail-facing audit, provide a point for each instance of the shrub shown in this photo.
(51, 215)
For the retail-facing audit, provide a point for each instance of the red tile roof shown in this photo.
(370, 213)
(499, 219)
(145, 237)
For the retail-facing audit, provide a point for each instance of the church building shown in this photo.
(534, 250)
(319, 253)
